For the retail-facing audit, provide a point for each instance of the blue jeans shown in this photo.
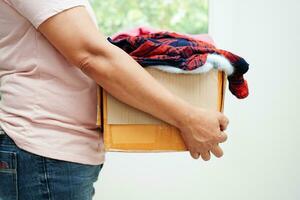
(27, 176)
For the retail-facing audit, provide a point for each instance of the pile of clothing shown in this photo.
(182, 53)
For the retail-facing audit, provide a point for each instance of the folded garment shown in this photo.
(213, 60)
(183, 52)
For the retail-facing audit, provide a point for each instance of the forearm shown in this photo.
(126, 80)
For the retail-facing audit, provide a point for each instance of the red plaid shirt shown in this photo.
(187, 53)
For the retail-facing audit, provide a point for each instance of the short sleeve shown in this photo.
(38, 11)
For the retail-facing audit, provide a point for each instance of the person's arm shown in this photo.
(74, 35)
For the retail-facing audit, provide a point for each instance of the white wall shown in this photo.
(262, 154)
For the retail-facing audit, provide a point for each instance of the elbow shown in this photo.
(84, 63)
(94, 62)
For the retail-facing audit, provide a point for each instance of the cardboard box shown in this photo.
(127, 129)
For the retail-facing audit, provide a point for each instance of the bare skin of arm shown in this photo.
(74, 35)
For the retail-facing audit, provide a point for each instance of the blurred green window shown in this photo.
(185, 16)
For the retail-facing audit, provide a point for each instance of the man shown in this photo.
(52, 56)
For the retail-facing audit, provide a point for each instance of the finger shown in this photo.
(222, 137)
(195, 155)
(205, 155)
(217, 151)
(224, 121)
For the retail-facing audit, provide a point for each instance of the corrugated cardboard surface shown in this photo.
(130, 130)
(200, 90)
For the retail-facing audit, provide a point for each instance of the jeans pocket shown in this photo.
(8, 175)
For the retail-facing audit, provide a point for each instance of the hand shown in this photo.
(202, 131)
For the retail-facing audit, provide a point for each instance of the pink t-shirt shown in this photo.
(48, 107)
